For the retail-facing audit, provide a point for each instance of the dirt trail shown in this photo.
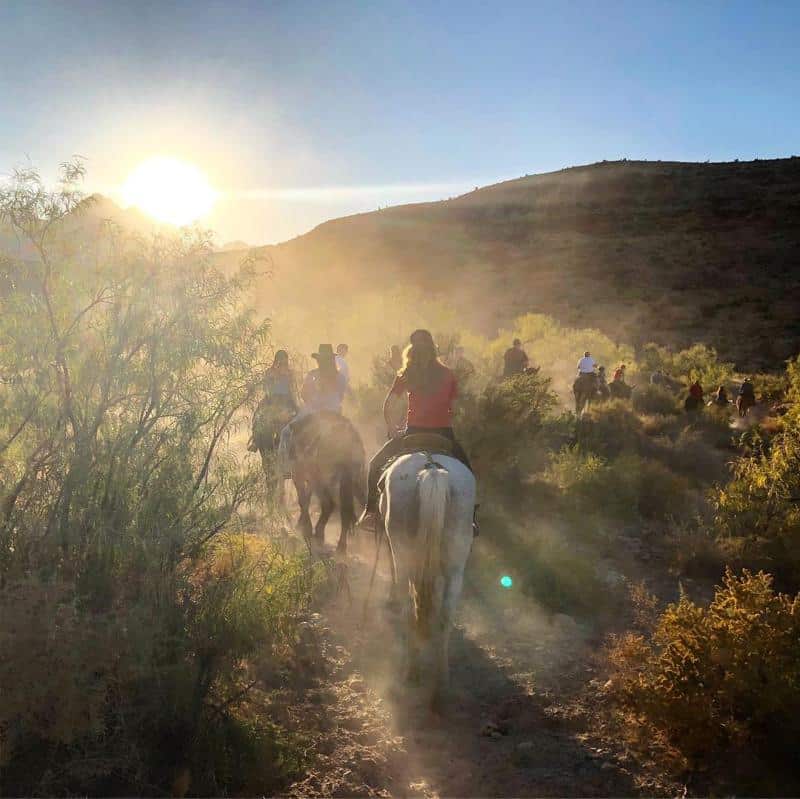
(513, 726)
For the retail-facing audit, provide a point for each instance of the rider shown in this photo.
(602, 383)
(747, 390)
(619, 374)
(431, 388)
(515, 359)
(324, 387)
(342, 351)
(279, 403)
(278, 382)
(721, 396)
(696, 390)
(462, 366)
(586, 365)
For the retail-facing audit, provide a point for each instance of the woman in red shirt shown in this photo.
(432, 389)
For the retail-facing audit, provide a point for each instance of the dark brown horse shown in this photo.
(325, 456)
(585, 390)
(743, 404)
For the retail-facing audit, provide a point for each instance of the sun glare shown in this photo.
(170, 190)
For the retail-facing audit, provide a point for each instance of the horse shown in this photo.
(692, 404)
(743, 404)
(268, 421)
(427, 503)
(620, 390)
(325, 456)
(585, 390)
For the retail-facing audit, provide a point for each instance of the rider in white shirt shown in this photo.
(586, 364)
(341, 362)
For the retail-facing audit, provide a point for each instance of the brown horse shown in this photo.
(743, 404)
(325, 455)
(585, 390)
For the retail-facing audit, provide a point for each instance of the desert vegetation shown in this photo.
(153, 617)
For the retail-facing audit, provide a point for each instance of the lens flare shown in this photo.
(506, 581)
(170, 190)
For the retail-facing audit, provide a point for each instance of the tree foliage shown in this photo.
(126, 365)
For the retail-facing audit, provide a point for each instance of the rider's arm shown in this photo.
(396, 389)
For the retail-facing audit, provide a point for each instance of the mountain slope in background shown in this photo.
(645, 251)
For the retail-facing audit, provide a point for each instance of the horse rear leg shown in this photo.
(303, 500)
(326, 506)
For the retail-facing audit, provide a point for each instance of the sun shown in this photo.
(170, 190)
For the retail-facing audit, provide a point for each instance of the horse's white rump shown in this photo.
(427, 504)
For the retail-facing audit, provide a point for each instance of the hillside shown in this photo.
(669, 252)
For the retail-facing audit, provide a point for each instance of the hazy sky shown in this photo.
(300, 111)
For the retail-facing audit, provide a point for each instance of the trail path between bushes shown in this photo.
(516, 724)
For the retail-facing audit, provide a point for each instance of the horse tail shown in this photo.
(433, 489)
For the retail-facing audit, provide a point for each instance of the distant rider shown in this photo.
(278, 405)
(515, 360)
(432, 389)
(619, 374)
(721, 396)
(586, 365)
(746, 390)
(341, 362)
(324, 387)
(602, 383)
(462, 366)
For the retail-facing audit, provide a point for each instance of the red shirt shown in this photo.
(434, 409)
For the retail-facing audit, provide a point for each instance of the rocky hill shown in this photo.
(645, 251)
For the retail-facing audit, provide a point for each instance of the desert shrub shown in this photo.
(698, 362)
(609, 429)
(625, 490)
(757, 513)
(497, 426)
(770, 387)
(128, 367)
(690, 454)
(651, 399)
(717, 679)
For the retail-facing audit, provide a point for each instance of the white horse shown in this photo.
(427, 503)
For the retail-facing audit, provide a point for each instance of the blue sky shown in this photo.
(300, 111)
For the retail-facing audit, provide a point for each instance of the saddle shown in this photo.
(428, 443)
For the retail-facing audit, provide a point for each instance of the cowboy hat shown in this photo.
(325, 353)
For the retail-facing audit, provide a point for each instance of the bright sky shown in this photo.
(300, 111)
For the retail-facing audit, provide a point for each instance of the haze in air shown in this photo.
(399, 400)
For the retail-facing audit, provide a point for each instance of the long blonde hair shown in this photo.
(422, 370)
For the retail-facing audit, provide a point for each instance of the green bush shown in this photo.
(497, 426)
(716, 680)
(651, 399)
(757, 514)
(609, 429)
(625, 490)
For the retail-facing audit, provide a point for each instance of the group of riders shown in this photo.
(421, 378)
(592, 381)
(428, 387)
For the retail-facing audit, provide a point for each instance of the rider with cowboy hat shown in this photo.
(324, 387)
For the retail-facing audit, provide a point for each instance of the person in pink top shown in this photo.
(432, 389)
